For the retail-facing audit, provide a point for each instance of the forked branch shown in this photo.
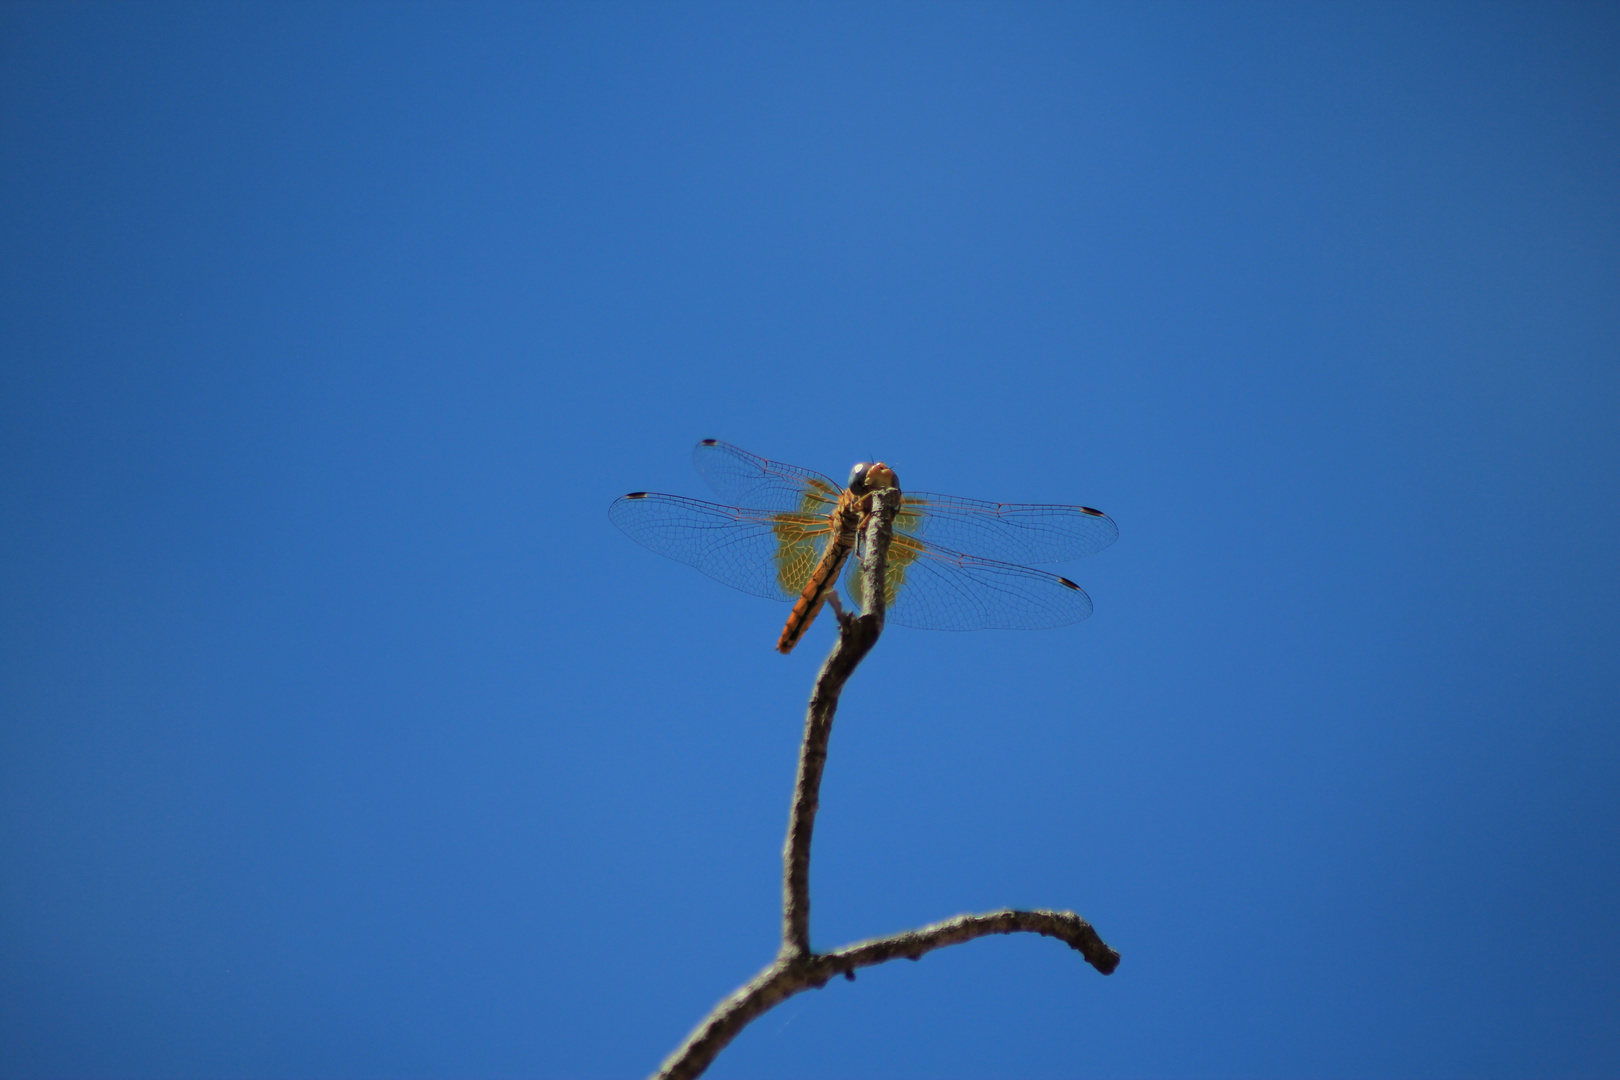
(797, 967)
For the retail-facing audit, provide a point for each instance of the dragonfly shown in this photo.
(954, 564)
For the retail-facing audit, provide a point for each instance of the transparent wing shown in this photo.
(762, 553)
(1010, 532)
(933, 589)
(750, 480)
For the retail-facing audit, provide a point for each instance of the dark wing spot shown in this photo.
(1069, 583)
(710, 442)
(636, 495)
(1093, 513)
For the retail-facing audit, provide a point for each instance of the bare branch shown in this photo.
(796, 967)
(769, 988)
(855, 639)
(1066, 926)
(789, 976)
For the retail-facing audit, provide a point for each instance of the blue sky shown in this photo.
(341, 735)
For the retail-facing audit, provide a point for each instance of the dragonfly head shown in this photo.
(871, 476)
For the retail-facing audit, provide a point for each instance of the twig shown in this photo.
(856, 636)
(787, 977)
(796, 967)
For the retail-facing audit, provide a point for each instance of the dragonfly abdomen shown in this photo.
(846, 528)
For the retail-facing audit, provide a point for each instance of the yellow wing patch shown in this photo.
(801, 536)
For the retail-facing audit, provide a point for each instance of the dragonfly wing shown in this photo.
(769, 555)
(750, 480)
(1010, 532)
(933, 589)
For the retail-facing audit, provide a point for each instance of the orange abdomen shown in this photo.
(847, 524)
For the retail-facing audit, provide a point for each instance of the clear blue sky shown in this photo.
(341, 735)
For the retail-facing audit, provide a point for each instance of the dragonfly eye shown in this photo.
(857, 477)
